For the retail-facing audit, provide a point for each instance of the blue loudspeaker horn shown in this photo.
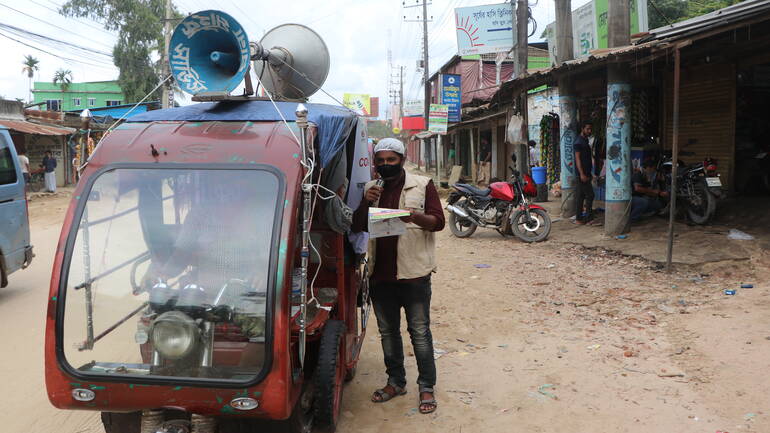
(209, 53)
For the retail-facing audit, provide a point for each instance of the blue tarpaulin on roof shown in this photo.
(334, 123)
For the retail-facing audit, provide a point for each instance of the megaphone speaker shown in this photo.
(209, 53)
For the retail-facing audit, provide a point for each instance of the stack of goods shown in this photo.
(640, 116)
(550, 156)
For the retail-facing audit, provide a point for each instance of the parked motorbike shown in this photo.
(502, 206)
(698, 186)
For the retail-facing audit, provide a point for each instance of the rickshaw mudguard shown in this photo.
(268, 143)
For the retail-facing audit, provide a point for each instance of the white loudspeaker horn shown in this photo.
(291, 61)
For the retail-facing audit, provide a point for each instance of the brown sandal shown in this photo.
(428, 401)
(381, 395)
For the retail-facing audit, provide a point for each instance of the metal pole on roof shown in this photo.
(674, 161)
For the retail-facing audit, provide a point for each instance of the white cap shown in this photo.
(390, 144)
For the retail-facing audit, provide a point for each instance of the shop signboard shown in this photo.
(451, 97)
(437, 118)
(414, 107)
(484, 29)
(357, 102)
(589, 27)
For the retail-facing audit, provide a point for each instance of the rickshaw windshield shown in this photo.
(168, 274)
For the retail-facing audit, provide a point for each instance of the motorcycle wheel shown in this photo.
(534, 228)
(702, 214)
(461, 227)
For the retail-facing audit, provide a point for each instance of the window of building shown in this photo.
(53, 104)
(111, 103)
(91, 102)
(76, 102)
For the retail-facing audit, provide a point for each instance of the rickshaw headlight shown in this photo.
(174, 334)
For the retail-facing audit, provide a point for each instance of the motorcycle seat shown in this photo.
(473, 190)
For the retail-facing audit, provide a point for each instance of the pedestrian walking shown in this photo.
(534, 155)
(401, 270)
(24, 163)
(584, 191)
(49, 168)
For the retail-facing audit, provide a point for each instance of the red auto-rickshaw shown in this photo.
(203, 279)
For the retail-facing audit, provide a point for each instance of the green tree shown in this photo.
(139, 26)
(378, 129)
(63, 77)
(31, 65)
(663, 12)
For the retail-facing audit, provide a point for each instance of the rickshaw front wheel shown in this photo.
(329, 377)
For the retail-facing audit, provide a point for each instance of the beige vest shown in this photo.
(416, 248)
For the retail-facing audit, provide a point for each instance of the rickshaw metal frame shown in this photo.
(171, 380)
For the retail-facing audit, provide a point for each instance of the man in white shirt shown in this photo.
(24, 162)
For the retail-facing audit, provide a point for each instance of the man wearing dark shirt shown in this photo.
(645, 200)
(584, 190)
(49, 168)
(402, 266)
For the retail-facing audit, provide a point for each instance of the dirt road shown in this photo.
(548, 338)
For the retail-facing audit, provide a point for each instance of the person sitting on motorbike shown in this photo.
(646, 199)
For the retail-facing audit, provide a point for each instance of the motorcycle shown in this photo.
(504, 206)
(698, 186)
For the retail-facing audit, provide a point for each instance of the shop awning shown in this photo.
(35, 128)
(478, 119)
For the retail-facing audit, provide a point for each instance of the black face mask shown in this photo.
(388, 171)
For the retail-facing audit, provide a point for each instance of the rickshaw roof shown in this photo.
(334, 123)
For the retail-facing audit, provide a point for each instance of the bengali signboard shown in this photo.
(437, 118)
(589, 27)
(484, 29)
(414, 107)
(451, 96)
(357, 102)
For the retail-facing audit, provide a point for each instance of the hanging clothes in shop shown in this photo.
(550, 155)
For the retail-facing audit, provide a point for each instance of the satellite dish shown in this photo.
(209, 53)
(293, 62)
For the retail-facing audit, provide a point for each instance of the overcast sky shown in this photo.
(357, 32)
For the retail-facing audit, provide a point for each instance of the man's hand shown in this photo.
(409, 218)
(373, 194)
(663, 194)
(584, 178)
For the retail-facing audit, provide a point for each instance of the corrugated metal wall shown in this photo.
(706, 115)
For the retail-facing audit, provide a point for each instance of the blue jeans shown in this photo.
(388, 298)
(643, 205)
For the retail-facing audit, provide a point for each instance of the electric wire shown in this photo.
(66, 59)
(74, 19)
(50, 24)
(36, 36)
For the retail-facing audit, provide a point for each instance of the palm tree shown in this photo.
(63, 77)
(31, 65)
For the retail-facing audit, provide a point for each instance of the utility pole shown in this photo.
(520, 62)
(567, 107)
(168, 93)
(401, 94)
(618, 188)
(425, 66)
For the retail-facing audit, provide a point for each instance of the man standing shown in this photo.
(49, 167)
(534, 155)
(646, 199)
(584, 191)
(485, 164)
(24, 163)
(401, 268)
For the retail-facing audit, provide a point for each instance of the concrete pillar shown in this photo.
(568, 129)
(618, 183)
(617, 217)
(567, 107)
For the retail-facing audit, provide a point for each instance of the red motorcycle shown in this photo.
(504, 206)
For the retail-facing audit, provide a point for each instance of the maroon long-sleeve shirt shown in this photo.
(385, 267)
